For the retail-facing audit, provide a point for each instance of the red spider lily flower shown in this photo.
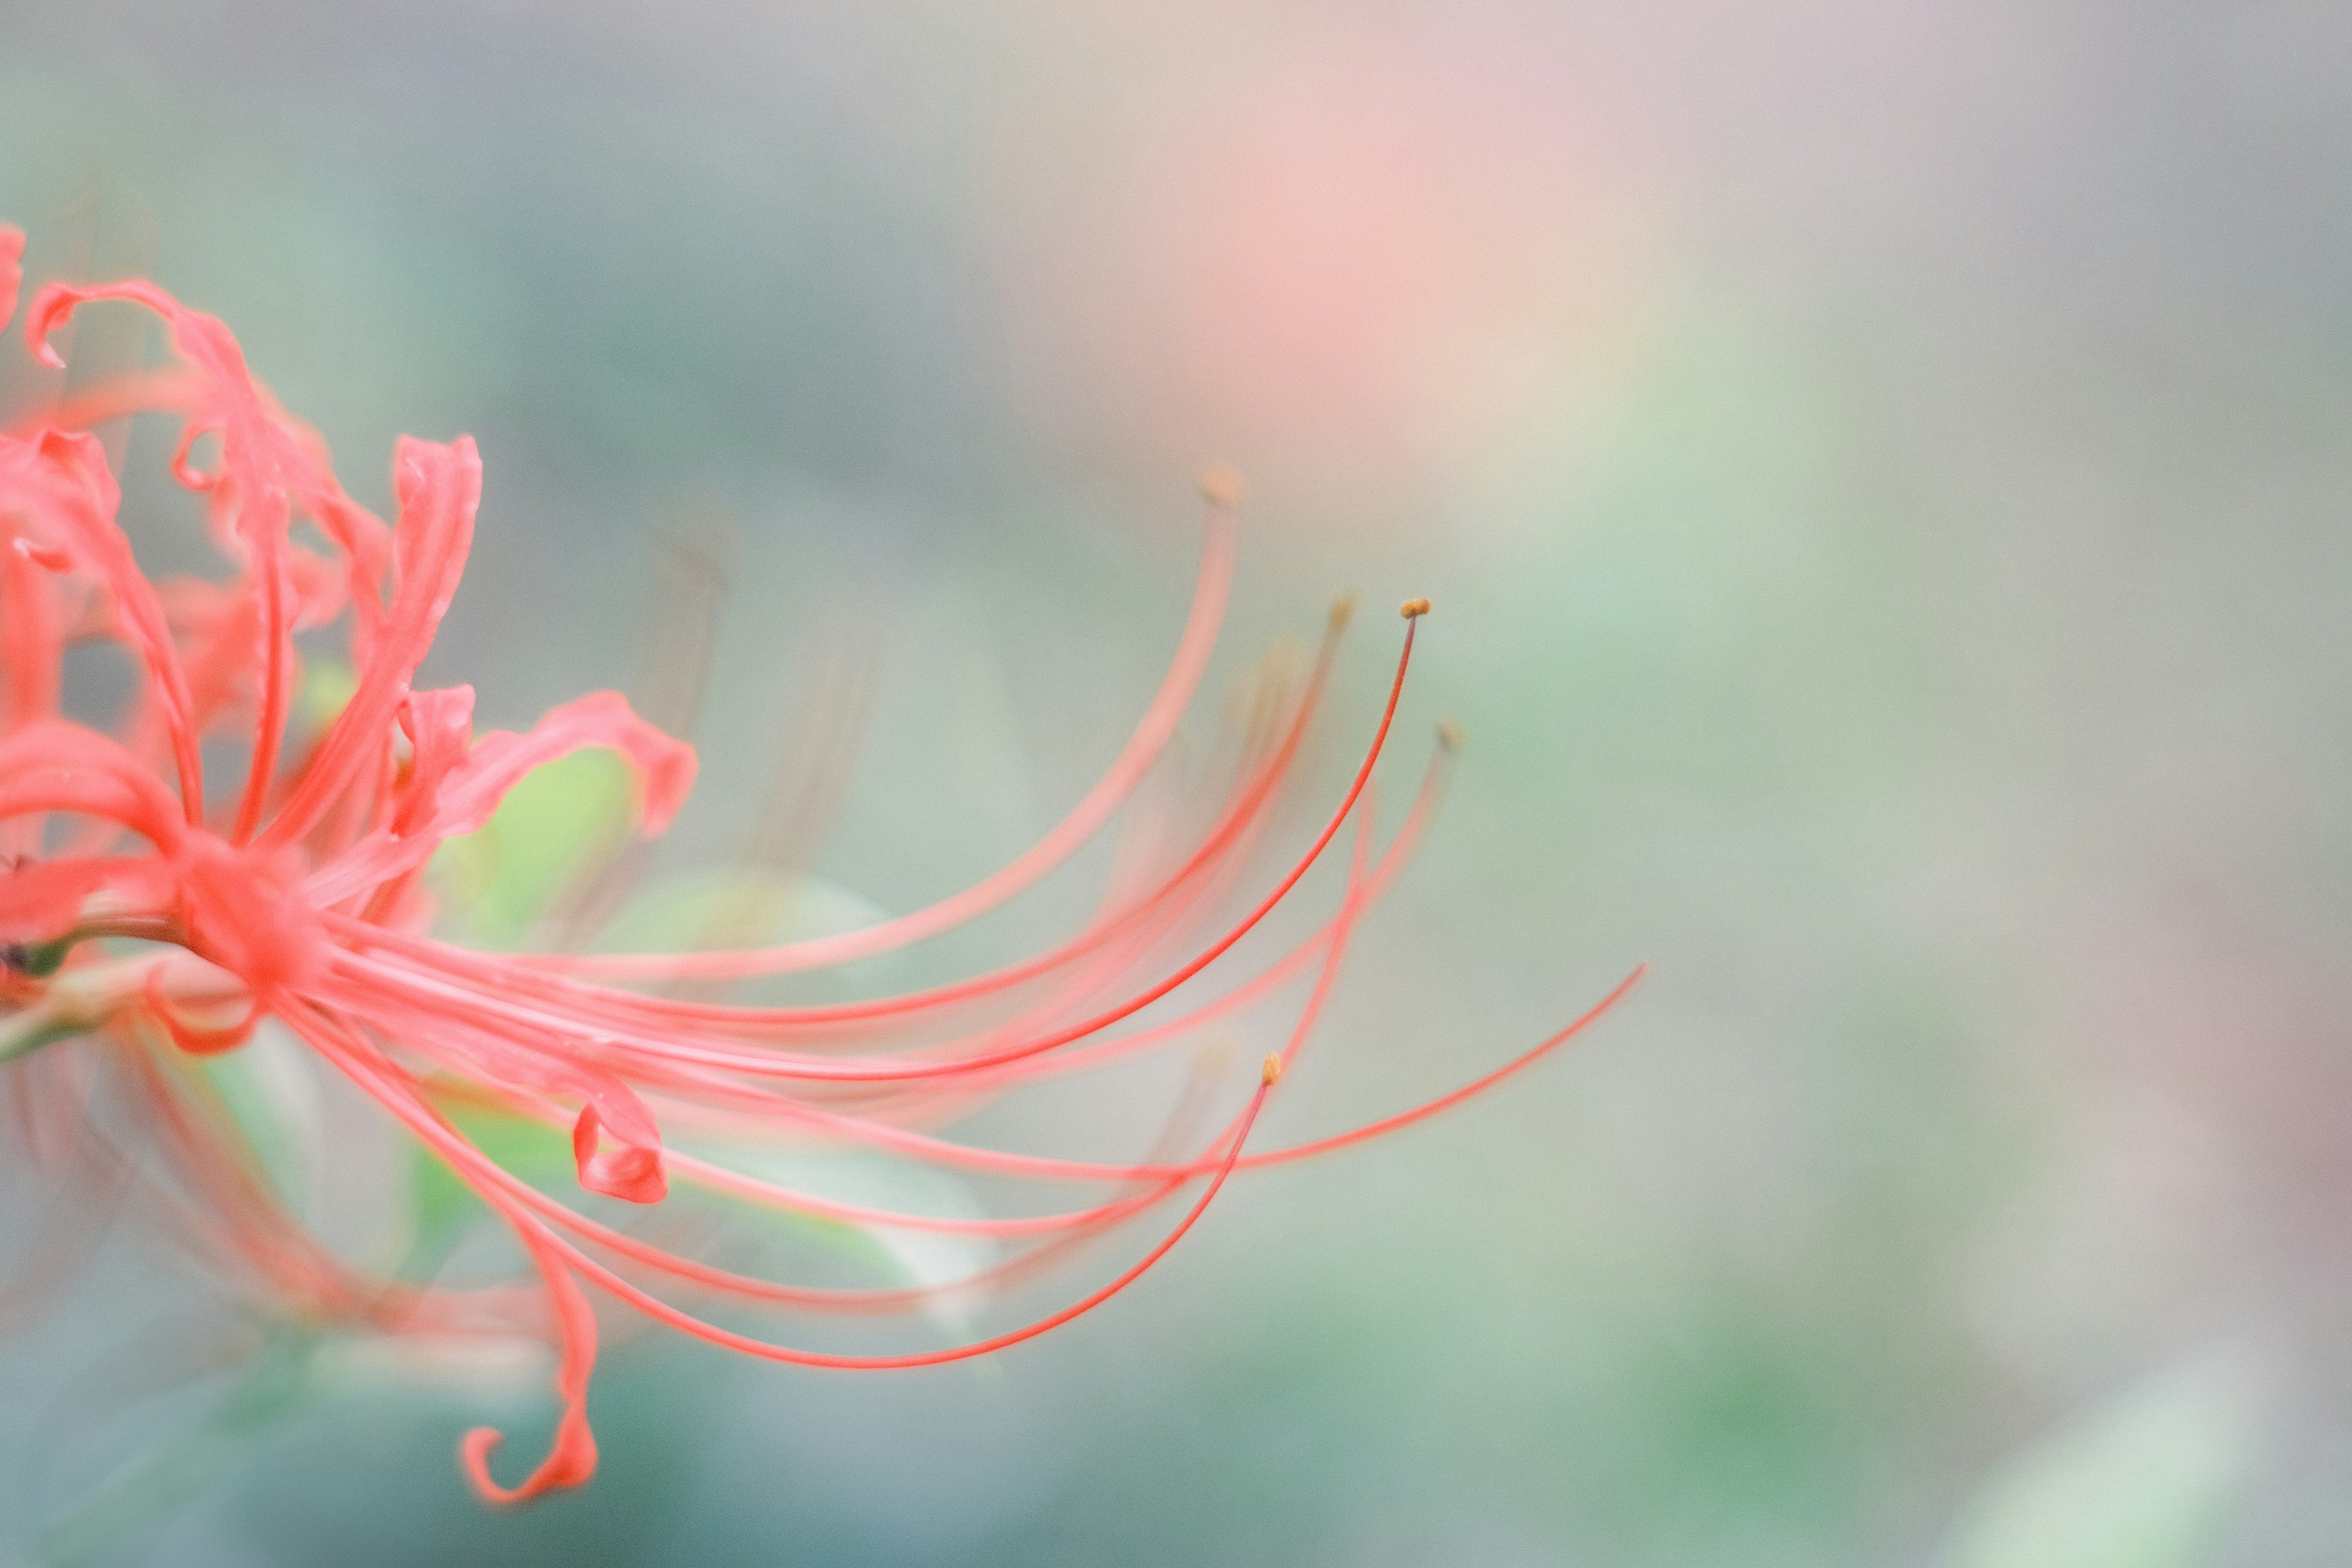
(156, 919)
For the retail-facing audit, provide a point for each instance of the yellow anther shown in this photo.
(1221, 487)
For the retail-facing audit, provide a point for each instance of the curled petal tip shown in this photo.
(669, 771)
(1271, 1071)
(1221, 487)
(573, 1462)
(1413, 609)
(474, 1458)
(631, 1172)
(48, 559)
(184, 467)
(633, 1175)
(48, 313)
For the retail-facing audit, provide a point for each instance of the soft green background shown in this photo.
(1880, 473)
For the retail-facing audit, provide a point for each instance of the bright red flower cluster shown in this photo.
(300, 898)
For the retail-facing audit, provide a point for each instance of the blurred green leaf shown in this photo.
(560, 819)
(735, 907)
(2149, 1479)
(442, 1204)
(328, 686)
(914, 1258)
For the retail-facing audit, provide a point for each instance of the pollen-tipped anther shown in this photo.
(1343, 609)
(1270, 1071)
(1411, 608)
(1221, 487)
(1449, 735)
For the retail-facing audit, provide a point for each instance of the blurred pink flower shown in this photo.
(297, 896)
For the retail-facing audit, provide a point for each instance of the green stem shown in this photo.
(24, 1033)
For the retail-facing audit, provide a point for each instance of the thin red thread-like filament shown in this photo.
(301, 902)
